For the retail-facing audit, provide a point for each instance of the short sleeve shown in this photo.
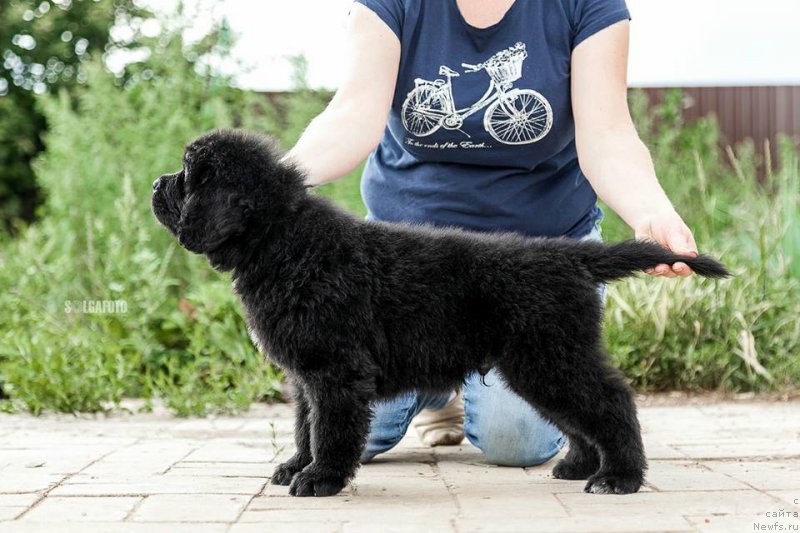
(591, 16)
(389, 11)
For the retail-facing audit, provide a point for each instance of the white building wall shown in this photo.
(673, 42)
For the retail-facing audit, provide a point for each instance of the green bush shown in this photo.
(180, 335)
(740, 334)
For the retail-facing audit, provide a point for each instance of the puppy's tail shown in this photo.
(616, 261)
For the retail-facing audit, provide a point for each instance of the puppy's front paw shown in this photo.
(566, 469)
(284, 473)
(601, 483)
(315, 484)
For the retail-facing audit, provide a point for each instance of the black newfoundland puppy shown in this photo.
(358, 311)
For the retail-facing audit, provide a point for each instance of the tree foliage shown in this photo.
(45, 45)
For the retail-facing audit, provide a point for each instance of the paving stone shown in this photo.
(689, 476)
(578, 524)
(790, 497)
(740, 446)
(768, 474)
(150, 457)
(465, 453)
(658, 449)
(114, 527)
(394, 492)
(375, 514)
(190, 508)
(524, 501)
(646, 504)
(746, 522)
(284, 527)
(227, 469)
(276, 491)
(277, 503)
(402, 468)
(102, 509)
(400, 487)
(214, 425)
(85, 486)
(257, 451)
(481, 473)
(11, 512)
(28, 480)
(49, 461)
(407, 455)
(18, 500)
(718, 467)
(401, 525)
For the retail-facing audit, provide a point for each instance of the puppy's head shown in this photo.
(231, 182)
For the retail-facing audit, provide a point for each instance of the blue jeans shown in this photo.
(497, 421)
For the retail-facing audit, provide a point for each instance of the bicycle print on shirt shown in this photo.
(513, 116)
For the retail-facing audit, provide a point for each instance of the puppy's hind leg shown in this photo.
(284, 472)
(614, 428)
(581, 461)
(340, 417)
(583, 396)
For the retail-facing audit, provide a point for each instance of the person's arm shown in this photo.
(611, 155)
(342, 136)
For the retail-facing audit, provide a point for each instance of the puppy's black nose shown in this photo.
(156, 184)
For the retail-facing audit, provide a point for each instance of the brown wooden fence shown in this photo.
(757, 113)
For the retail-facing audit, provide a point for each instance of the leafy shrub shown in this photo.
(180, 336)
(739, 334)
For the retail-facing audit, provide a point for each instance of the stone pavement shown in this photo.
(719, 466)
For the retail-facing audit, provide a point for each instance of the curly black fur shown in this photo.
(358, 311)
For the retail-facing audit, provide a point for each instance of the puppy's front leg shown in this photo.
(284, 472)
(340, 416)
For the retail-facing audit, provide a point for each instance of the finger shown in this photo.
(683, 243)
(682, 269)
(692, 243)
(667, 272)
(684, 249)
(661, 269)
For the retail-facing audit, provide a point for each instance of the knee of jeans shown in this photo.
(508, 445)
(378, 444)
(390, 421)
(367, 455)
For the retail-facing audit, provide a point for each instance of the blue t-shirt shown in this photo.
(481, 133)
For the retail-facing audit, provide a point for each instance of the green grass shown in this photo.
(734, 335)
(182, 338)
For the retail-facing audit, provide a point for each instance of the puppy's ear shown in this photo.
(207, 221)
